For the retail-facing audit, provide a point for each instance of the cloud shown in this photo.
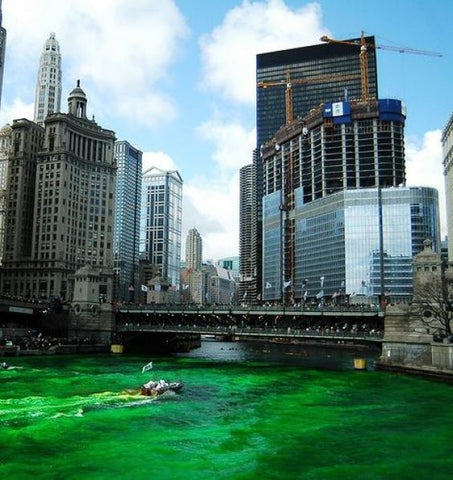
(17, 109)
(228, 56)
(213, 208)
(424, 168)
(157, 159)
(212, 205)
(229, 51)
(122, 54)
(233, 143)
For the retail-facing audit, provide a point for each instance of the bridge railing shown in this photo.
(251, 309)
(375, 336)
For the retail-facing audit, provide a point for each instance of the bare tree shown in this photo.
(433, 306)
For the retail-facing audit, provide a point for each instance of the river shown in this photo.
(247, 411)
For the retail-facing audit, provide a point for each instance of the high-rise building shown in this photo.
(48, 84)
(160, 223)
(191, 275)
(61, 208)
(5, 145)
(247, 232)
(314, 74)
(127, 222)
(447, 146)
(337, 218)
(328, 72)
(194, 249)
(2, 50)
(27, 141)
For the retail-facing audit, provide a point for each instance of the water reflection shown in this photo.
(308, 356)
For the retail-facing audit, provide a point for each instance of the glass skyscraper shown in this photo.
(127, 221)
(319, 73)
(337, 217)
(161, 223)
(338, 239)
(323, 67)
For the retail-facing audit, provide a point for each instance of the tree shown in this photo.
(432, 304)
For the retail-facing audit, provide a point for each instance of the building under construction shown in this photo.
(334, 197)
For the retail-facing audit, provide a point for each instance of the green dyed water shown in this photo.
(244, 413)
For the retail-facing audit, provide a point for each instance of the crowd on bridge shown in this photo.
(278, 323)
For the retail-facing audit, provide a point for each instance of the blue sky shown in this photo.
(176, 78)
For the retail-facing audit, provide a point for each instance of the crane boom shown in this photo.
(327, 39)
(288, 82)
(364, 56)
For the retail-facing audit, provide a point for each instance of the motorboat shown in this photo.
(153, 389)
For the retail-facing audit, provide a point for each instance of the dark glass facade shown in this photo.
(320, 66)
(127, 222)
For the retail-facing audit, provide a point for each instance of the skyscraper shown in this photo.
(2, 50)
(26, 142)
(63, 177)
(160, 223)
(336, 214)
(48, 84)
(194, 248)
(312, 75)
(447, 147)
(127, 221)
(329, 72)
(247, 232)
(5, 145)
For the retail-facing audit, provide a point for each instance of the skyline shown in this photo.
(198, 82)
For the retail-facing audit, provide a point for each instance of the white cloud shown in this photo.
(213, 208)
(212, 205)
(120, 50)
(424, 168)
(158, 159)
(229, 51)
(233, 144)
(18, 109)
(228, 55)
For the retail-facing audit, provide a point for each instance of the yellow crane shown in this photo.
(364, 57)
(289, 82)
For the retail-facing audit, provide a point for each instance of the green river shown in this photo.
(247, 411)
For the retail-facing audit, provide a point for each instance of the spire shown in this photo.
(77, 102)
(48, 85)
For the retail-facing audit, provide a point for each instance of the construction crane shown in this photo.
(288, 83)
(364, 57)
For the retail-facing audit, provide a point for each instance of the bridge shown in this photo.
(357, 324)
(339, 324)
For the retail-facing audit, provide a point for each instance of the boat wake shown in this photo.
(32, 408)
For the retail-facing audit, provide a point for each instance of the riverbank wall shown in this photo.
(408, 348)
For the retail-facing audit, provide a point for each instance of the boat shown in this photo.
(154, 389)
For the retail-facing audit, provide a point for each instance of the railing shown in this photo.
(235, 331)
(352, 310)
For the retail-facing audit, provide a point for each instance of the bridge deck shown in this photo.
(332, 311)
